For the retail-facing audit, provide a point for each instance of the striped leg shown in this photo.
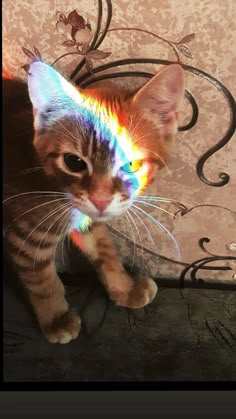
(44, 289)
(122, 289)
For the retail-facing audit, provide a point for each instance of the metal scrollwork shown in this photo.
(179, 47)
(200, 264)
(86, 80)
(88, 54)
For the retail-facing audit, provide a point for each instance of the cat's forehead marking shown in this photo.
(111, 146)
(48, 88)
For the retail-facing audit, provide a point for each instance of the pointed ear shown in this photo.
(50, 93)
(162, 96)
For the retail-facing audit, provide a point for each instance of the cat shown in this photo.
(72, 153)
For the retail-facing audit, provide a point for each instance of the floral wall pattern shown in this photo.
(93, 40)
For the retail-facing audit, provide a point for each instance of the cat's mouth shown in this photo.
(100, 211)
(81, 217)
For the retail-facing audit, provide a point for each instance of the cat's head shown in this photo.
(104, 145)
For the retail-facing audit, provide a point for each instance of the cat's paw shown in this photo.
(63, 329)
(142, 293)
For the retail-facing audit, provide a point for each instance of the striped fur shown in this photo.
(40, 194)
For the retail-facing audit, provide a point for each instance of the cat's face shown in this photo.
(102, 146)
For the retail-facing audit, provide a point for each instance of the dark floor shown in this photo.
(187, 334)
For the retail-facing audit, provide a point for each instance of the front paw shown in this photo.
(63, 329)
(142, 293)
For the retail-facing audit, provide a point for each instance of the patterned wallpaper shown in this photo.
(200, 34)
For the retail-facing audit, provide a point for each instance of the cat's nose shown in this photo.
(100, 204)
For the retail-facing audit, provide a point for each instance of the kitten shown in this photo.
(73, 153)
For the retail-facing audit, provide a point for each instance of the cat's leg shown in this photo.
(122, 289)
(46, 294)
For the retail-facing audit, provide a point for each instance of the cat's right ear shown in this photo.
(50, 93)
(161, 97)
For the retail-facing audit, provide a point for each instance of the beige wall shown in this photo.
(27, 23)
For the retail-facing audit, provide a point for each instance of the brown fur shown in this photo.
(32, 229)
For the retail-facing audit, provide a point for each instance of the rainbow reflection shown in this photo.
(90, 112)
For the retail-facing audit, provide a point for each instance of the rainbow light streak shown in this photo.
(104, 121)
(80, 221)
(97, 114)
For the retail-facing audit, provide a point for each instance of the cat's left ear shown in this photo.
(162, 97)
(51, 94)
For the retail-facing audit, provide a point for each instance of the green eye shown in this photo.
(132, 166)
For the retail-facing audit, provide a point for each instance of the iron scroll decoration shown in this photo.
(89, 78)
(85, 80)
(93, 75)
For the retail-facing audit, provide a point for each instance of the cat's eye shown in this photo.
(132, 166)
(74, 163)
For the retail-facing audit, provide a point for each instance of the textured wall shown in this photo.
(29, 23)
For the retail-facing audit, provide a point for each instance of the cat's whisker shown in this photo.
(49, 228)
(134, 241)
(62, 136)
(64, 133)
(41, 222)
(34, 192)
(161, 226)
(143, 136)
(123, 224)
(68, 238)
(61, 234)
(165, 200)
(136, 126)
(69, 134)
(140, 239)
(143, 223)
(31, 169)
(45, 196)
(32, 209)
(159, 158)
(64, 233)
(154, 206)
(130, 122)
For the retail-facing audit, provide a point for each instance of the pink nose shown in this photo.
(100, 204)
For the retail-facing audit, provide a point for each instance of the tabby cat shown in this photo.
(73, 160)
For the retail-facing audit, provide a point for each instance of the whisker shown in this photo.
(32, 209)
(143, 136)
(134, 241)
(149, 233)
(162, 227)
(160, 158)
(65, 233)
(154, 206)
(59, 238)
(140, 240)
(45, 196)
(136, 126)
(32, 169)
(165, 200)
(42, 221)
(63, 134)
(130, 122)
(49, 228)
(33, 192)
(69, 134)
(140, 219)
